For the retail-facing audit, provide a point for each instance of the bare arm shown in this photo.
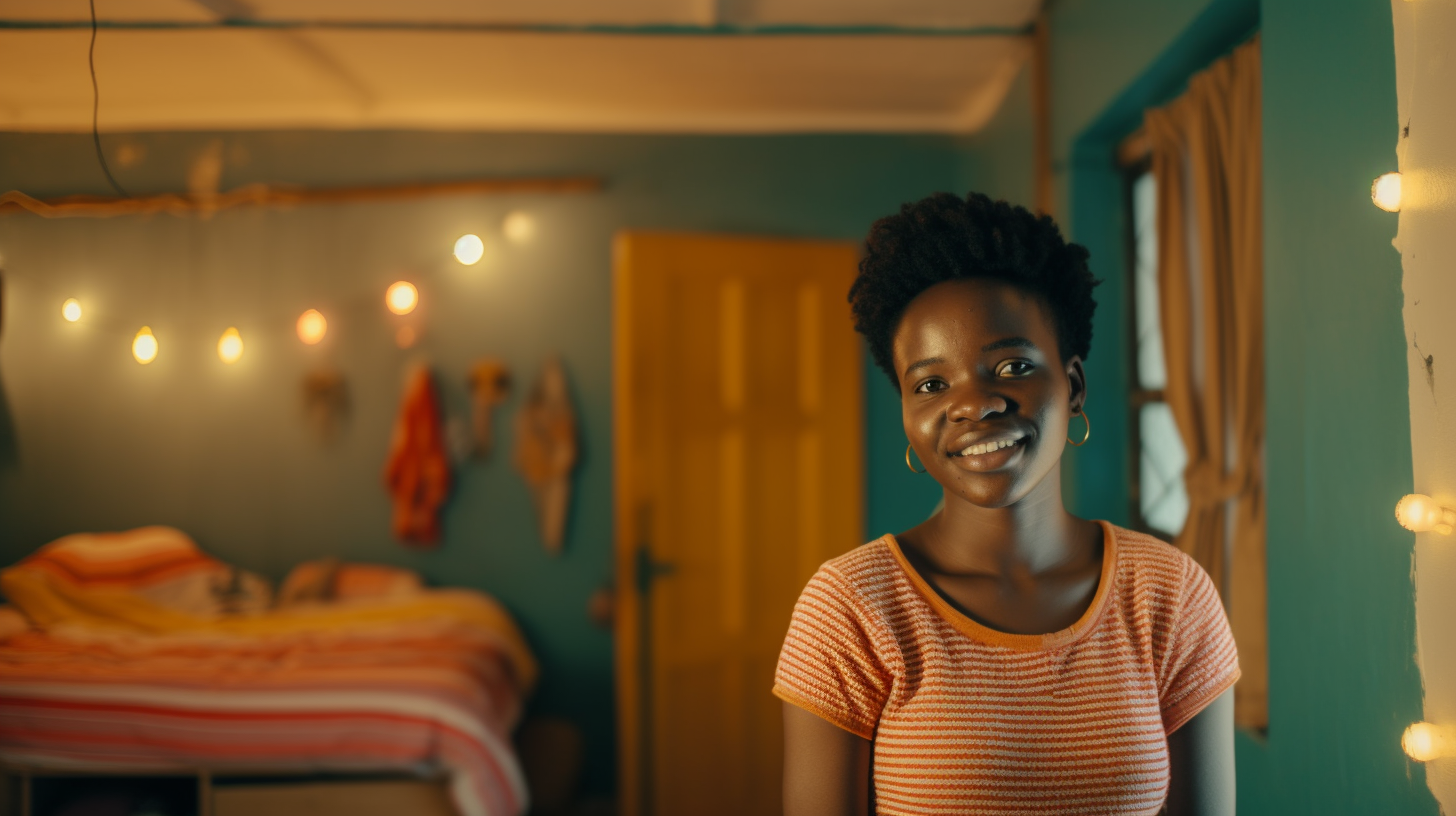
(1201, 754)
(826, 769)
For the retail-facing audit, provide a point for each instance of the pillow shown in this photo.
(309, 582)
(359, 581)
(330, 579)
(138, 559)
(159, 563)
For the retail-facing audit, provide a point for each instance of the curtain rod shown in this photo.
(655, 30)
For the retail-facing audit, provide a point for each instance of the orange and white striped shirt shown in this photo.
(969, 720)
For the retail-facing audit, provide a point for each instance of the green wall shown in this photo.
(89, 440)
(1343, 678)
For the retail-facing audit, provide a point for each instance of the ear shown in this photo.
(1077, 380)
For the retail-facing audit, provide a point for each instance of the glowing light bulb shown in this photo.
(312, 326)
(71, 310)
(1385, 192)
(469, 249)
(1424, 742)
(519, 227)
(144, 346)
(402, 297)
(1419, 513)
(230, 346)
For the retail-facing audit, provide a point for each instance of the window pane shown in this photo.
(1164, 501)
(1151, 372)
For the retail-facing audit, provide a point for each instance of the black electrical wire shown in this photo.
(96, 109)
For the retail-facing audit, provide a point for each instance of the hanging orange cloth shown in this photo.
(418, 471)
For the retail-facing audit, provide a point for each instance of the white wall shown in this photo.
(1425, 48)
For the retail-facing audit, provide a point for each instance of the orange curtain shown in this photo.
(1205, 150)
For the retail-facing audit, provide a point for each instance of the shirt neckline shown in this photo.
(980, 632)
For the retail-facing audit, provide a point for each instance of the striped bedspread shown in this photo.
(434, 681)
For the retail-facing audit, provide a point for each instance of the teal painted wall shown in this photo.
(89, 440)
(1343, 678)
(999, 158)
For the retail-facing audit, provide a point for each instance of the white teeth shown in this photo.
(988, 447)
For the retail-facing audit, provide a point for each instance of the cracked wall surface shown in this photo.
(1425, 48)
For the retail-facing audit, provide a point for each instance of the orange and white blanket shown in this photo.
(113, 673)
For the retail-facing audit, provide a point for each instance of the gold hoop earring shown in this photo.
(907, 461)
(1086, 434)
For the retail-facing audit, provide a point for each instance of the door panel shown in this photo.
(739, 469)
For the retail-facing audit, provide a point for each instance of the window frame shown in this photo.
(1133, 161)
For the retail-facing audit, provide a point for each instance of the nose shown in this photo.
(974, 402)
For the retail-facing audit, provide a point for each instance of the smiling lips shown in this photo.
(993, 444)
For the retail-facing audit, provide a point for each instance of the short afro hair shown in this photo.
(944, 238)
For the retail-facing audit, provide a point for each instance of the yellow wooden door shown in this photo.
(739, 437)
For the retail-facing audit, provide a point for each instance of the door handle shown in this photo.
(649, 570)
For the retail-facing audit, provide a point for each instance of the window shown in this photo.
(1159, 500)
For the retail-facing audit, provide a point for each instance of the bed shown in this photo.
(136, 652)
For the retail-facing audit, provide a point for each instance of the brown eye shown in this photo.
(929, 387)
(1015, 368)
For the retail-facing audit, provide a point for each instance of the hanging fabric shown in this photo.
(546, 449)
(417, 472)
(1206, 158)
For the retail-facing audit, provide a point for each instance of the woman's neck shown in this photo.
(1032, 536)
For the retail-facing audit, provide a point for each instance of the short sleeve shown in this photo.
(1200, 661)
(829, 665)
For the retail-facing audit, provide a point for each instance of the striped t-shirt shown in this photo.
(969, 720)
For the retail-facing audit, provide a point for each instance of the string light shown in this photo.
(469, 249)
(230, 346)
(312, 326)
(401, 297)
(144, 346)
(519, 227)
(1419, 513)
(1385, 192)
(1424, 742)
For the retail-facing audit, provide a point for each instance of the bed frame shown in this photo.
(282, 792)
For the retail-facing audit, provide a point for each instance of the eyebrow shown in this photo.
(1008, 342)
(918, 364)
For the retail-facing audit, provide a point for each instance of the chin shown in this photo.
(996, 490)
(993, 492)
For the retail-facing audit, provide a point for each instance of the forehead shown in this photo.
(973, 312)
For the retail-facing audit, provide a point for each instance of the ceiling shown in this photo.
(662, 66)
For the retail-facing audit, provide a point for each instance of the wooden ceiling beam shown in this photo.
(282, 196)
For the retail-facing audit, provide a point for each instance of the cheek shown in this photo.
(1054, 414)
(917, 420)
(1053, 419)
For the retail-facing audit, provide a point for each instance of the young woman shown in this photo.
(1004, 656)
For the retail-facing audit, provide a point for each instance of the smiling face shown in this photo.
(984, 393)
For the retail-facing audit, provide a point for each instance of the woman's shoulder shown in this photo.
(867, 575)
(867, 562)
(1151, 564)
